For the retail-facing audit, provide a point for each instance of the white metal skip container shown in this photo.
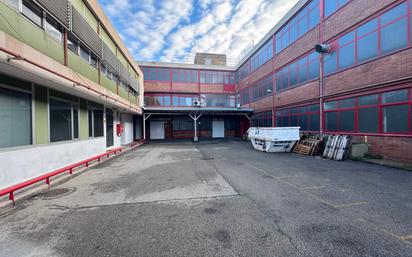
(274, 140)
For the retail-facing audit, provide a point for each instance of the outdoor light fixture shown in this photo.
(322, 48)
(269, 91)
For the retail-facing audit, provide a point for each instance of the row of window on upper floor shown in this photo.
(54, 29)
(382, 35)
(304, 21)
(188, 76)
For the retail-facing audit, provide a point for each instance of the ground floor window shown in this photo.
(263, 119)
(15, 118)
(385, 113)
(182, 124)
(96, 122)
(64, 120)
(305, 117)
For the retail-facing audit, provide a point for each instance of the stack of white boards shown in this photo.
(274, 140)
(337, 147)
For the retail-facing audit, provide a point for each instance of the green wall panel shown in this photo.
(77, 64)
(22, 29)
(84, 125)
(108, 84)
(41, 115)
(123, 93)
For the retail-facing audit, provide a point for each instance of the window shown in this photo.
(54, 29)
(305, 117)
(73, 44)
(382, 35)
(185, 76)
(63, 120)
(15, 116)
(96, 126)
(32, 12)
(305, 20)
(244, 96)
(219, 100)
(13, 3)
(394, 24)
(182, 124)
(156, 74)
(157, 100)
(332, 6)
(262, 119)
(243, 71)
(262, 88)
(84, 54)
(362, 114)
(299, 72)
(264, 54)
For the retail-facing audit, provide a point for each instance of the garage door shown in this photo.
(157, 130)
(218, 129)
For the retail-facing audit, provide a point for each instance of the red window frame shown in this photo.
(259, 89)
(183, 75)
(294, 67)
(380, 107)
(163, 96)
(285, 31)
(259, 119)
(262, 56)
(289, 114)
(339, 6)
(336, 47)
(157, 71)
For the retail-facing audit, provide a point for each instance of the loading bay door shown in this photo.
(157, 130)
(218, 128)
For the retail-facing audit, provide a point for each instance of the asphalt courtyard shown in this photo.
(216, 199)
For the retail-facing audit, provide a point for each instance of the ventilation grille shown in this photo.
(110, 58)
(85, 32)
(60, 9)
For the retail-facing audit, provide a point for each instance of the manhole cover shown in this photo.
(56, 193)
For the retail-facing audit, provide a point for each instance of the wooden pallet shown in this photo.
(337, 147)
(307, 146)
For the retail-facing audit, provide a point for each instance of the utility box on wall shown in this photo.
(119, 129)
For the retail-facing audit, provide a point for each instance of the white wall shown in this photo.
(127, 136)
(17, 166)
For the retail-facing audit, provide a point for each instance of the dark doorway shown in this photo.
(109, 128)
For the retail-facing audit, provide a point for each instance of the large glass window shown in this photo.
(54, 29)
(185, 76)
(15, 116)
(219, 100)
(182, 124)
(378, 113)
(262, 88)
(61, 120)
(298, 72)
(262, 119)
(13, 3)
(33, 12)
(264, 54)
(332, 5)
(244, 96)
(96, 124)
(305, 117)
(382, 35)
(305, 20)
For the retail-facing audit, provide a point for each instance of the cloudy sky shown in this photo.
(156, 30)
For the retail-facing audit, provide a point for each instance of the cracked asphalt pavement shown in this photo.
(216, 199)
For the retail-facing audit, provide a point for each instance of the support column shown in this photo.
(144, 124)
(195, 119)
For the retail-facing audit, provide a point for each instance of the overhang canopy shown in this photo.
(198, 110)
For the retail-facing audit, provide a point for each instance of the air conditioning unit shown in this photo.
(238, 106)
(196, 103)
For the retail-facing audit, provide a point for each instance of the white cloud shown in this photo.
(161, 29)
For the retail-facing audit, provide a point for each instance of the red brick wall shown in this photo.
(156, 86)
(262, 104)
(185, 87)
(303, 45)
(211, 88)
(302, 93)
(391, 148)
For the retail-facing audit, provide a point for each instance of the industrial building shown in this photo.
(70, 90)
(359, 86)
(68, 87)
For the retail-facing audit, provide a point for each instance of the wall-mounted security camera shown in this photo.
(322, 48)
